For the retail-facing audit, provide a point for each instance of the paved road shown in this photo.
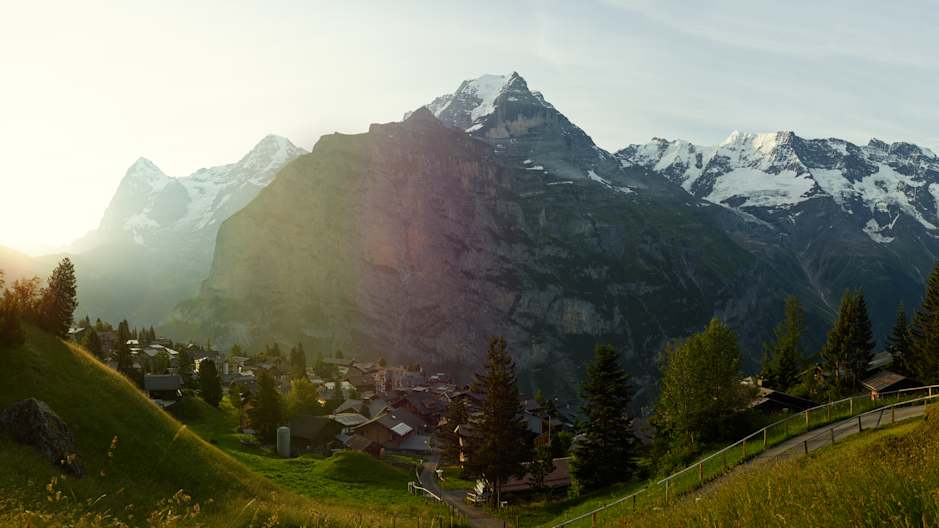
(476, 516)
(822, 437)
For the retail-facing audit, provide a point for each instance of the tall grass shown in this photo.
(888, 477)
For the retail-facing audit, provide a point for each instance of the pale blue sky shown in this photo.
(87, 87)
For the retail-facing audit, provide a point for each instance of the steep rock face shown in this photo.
(852, 216)
(418, 241)
(156, 238)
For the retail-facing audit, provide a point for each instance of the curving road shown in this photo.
(476, 516)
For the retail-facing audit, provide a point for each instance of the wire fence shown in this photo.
(871, 409)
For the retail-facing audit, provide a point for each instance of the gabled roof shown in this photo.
(358, 443)
(350, 419)
(350, 405)
(162, 382)
(312, 427)
(886, 379)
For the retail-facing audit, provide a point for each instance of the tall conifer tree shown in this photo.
(899, 343)
(785, 357)
(504, 443)
(59, 299)
(850, 344)
(924, 357)
(603, 453)
(209, 383)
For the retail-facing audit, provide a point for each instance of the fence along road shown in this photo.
(866, 410)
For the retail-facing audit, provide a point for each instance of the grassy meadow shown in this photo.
(145, 468)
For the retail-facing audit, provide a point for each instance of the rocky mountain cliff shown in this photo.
(486, 213)
(157, 236)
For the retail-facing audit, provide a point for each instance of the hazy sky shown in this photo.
(86, 87)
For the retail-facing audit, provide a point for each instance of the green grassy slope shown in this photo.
(155, 455)
(352, 480)
(886, 477)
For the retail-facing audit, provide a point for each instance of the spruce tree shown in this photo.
(123, 331)
(298, 362)
(899, 343)
(185, 365)
(59, 299)
(267, 413)
(504, 439)
(784, 357)
(92, 342)
(209, 383)
(124, 359)
(603, 451)
(849, 346)
(924, 347)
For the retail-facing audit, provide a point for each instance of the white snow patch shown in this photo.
(762, 189)
(873, 230)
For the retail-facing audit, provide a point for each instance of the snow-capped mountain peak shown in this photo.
(775, 172)
(150, 206)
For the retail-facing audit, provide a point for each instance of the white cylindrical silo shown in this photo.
(283, 441)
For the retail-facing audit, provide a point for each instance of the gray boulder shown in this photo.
(32, 422)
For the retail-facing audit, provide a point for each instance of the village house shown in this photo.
(888, 381)
(312, 432)
(164, 389)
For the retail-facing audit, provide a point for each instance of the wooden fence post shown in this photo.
(764, 438)
(634, 505)
(828, 412)
(700, 472)
(593, 520)
(805, 446)
(806, 419)
(666, 493)
(859, 426)
(851, 406)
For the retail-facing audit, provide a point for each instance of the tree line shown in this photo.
(50, 306)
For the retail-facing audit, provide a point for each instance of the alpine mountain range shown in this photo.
(487, 212)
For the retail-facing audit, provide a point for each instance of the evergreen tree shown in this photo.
(99, 326)
(700, 390)
(59, 299)
(303, 398)
(123, 331)
(603, 452)
(209, 383)
(11, 334)
(784, 358)
(900, 343)
(849, 346)
(124, 359)
(236, 397)
(85, 322)
(235, 351)
(923, 359)
(504, 439)
(456, 416)
(540, 468)
(92, 342)
(298, 362)
(185, 365)
(267, 413)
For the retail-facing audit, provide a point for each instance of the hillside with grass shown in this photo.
(884, 477)
(347, 480)
(142, 466)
